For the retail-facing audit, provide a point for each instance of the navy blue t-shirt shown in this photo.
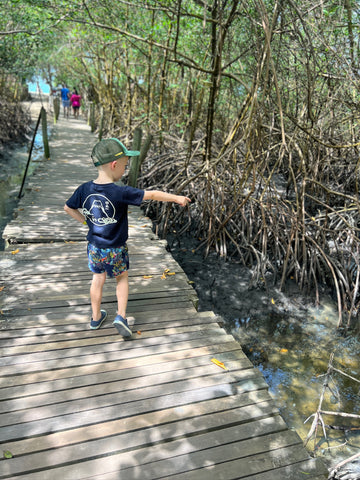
(105, 207)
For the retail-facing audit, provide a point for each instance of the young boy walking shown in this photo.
(103, 206)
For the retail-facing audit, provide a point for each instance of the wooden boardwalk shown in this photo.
(82, 404)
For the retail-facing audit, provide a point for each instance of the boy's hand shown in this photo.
(183, 201)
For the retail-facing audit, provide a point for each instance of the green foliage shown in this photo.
(106, 46)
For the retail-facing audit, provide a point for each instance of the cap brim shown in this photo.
(131, 153)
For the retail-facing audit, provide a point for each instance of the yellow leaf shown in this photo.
(283, 350)
(138, 332)
(147, 276)
(273, 301)
(14, 252)
(218, 363)
(313, 219)
(167, 272)
(2, 288)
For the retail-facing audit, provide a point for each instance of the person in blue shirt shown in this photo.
(65, 98)
(103, 206)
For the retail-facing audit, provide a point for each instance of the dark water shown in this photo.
(12, 168)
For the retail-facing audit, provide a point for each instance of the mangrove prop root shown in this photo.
(273, 216)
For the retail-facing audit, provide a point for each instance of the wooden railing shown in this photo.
(43, 119)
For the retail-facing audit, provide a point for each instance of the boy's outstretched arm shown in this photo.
(166, 197)
(74, 213)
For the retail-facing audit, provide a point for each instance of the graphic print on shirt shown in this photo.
(99, 210)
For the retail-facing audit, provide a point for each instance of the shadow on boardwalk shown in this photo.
(78, 404)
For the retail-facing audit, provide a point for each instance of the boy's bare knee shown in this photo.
(122, 276)
(99, 279)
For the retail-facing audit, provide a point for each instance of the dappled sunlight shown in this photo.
(166, 400)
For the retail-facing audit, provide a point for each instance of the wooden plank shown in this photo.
(62, 332)
(63, 320)
(42, 287)
(156, 363)
(103, 394)
(153, 419)
(165, 297)
(174, 335)
(230, 469)
(25, 344)
(186, 368)
(152, 462)
(30, 426)
(93, 362)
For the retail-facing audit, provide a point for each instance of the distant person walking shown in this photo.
(65, 94)
(103, 206)
(75, 101)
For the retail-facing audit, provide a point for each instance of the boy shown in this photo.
(102, 205)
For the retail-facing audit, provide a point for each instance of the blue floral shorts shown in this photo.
(113, 261)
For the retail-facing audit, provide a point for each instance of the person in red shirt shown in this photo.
(75, 103)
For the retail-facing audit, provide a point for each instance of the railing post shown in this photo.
(136, 162)
(44, 133)
(101, 125)
(56, 109)
(91, 118)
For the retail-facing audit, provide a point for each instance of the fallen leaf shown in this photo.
(166, 272)
(14, 252)
(218, 363)
(7, 454)
(147, 276)
(273, 301)
(2, 288)
(138, 332)
(283, 350)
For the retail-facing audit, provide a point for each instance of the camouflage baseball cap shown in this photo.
(110, 149)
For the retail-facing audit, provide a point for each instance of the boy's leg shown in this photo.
(96, 290)
(122, 292)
